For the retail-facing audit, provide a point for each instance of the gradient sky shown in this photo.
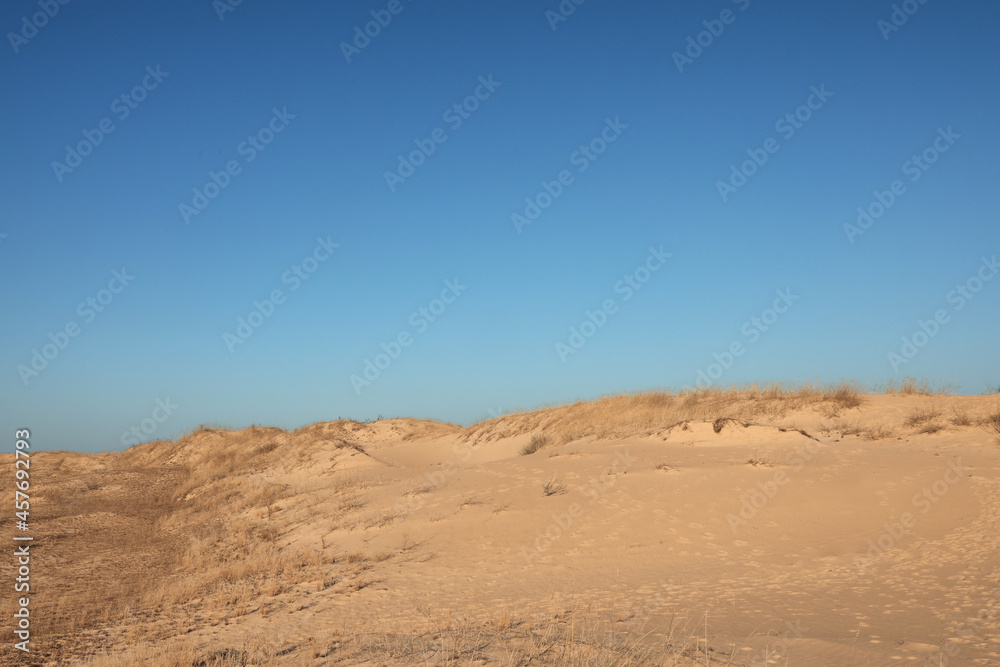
(494, 347)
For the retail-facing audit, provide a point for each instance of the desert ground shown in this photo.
(744, 526)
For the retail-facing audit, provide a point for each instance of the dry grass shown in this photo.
(871, 432)
(925, 421)
(878, 432)
(921, 416)
(169, 552)
(597, 640)
(538, 441)
(992, 423)
(253, 651)
(553, 487)
(643, 413)
(962, 419)
(918, 386)
(181, 558)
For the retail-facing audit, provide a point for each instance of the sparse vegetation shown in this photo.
(217, 519)
(878, 432)
(962, 419)
(642, 413)
(924, 420)
(758, 461)
(553, 487)
(538, 441)
(917, 386)
(873, 432)
(846, 395)
(992, 423)
(341, 443)
(506, 638)
(921, 416)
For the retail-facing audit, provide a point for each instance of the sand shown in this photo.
(813, 534)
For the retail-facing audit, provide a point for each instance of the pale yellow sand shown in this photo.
(772, 536)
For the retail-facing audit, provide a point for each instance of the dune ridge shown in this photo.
(743, 526)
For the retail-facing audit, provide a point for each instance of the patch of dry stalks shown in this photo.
(507, 639)
(636, 414)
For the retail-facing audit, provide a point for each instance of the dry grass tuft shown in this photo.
(721, 422)
(918, 386)
(538, 441)
(992, 423)
(758, 461)
(962, 419)
(875, 432)
(921, 416)
(925, 421)
(553, 487)
(846, 395)
(878, 432)
(347, 444)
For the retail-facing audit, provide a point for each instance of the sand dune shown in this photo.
(741, 528)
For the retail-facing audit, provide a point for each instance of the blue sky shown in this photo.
(641, 138)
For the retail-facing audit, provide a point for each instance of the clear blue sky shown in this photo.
(660, 133)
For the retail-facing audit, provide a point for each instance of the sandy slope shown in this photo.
(775, 539)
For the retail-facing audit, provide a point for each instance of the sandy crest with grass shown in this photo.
(743, 526)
